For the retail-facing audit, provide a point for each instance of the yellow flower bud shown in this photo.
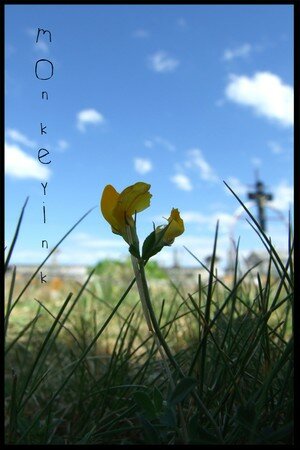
(175, 228)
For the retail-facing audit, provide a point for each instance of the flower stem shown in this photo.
(160, 341)
(155, 326)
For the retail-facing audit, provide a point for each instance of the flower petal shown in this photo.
(135, 198)
(175, 228)
(109, 201)
(118, 209)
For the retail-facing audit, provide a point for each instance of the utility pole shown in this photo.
(260, 197)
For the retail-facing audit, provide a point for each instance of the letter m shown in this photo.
(43, 31)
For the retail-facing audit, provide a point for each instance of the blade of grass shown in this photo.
(47, 257)
(261, 394)
(40, 351)
(10, 295)
(22, 332)
(84, 354)
(15, 236)
(55, 334)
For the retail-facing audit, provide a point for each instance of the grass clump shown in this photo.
(82, 368)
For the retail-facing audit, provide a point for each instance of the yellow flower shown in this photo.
(175, 228)
(118, 209)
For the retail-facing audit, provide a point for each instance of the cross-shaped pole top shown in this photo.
(260, 197)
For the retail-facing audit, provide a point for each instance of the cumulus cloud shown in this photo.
(266, 94)
(237, 52)
(196, 160)
(20, 165)
(88, 116)
(16, 136)
(182, 182)
(161, 62)
(142, 166)
(283, 197)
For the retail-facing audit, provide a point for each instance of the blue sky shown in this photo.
(179, 96)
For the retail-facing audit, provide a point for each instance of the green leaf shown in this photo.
(182, 390)
(134, 251)
(148, 244)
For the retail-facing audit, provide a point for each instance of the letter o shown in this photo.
(36, 69)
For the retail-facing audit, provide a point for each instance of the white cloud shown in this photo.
(160, 141)
(63, 145)
(182, 182)
(89, 249)
(86, 240)
(226, 220)
(238, 52)
(88, 116)
(165, 143)
(16, 136)
(28, 256)
(142, 166)
(20, 165)
(207, 219)
(90, 257)
(194, 217)
(266, 94)
(283, 196)
(141, 33)
(196, 159)
(161, 62)
(68, 256)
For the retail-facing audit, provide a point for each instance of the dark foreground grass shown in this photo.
(81, 368)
